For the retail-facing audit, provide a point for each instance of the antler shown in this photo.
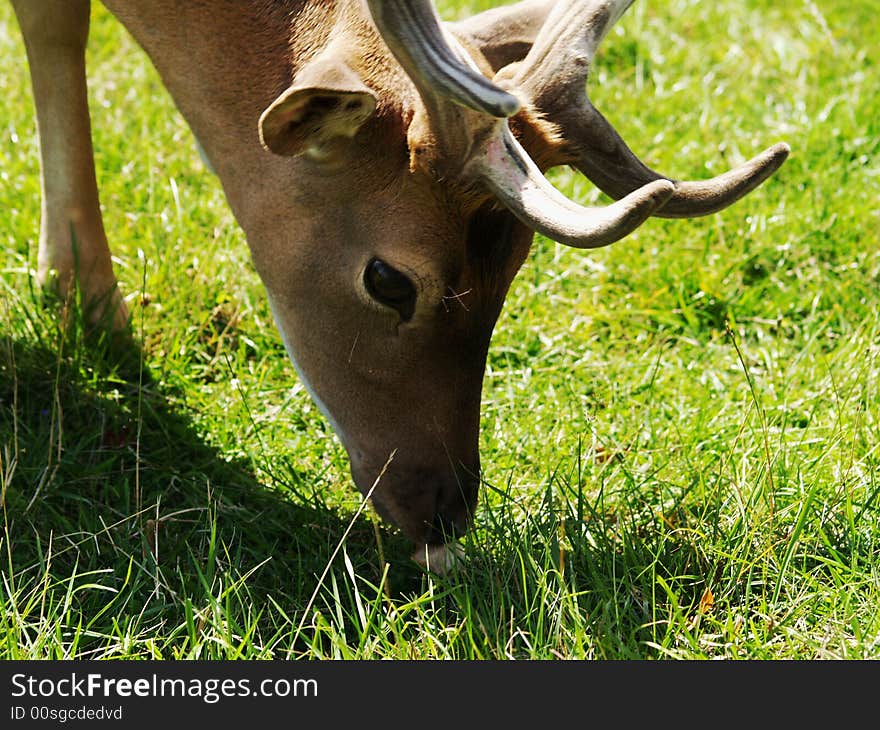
(444, 72)
(433, 59)
(551, 83)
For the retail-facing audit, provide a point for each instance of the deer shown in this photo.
(379, 161)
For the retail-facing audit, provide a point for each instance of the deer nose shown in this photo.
(431, 505)
(454, 509)
(448, 528)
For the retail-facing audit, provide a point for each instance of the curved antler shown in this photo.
(433, 59)
(504, 34)
(443, 72)
(551, 82)
(516, 181)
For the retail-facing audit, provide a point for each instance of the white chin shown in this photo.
(439, 559)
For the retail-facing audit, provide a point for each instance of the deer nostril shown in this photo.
(446, 529)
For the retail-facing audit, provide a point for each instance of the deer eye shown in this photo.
(390, 287)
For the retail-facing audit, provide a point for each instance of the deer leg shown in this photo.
(73, 245)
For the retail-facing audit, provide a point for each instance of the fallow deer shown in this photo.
(378, 161)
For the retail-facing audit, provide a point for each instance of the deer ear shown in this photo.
(327, 102)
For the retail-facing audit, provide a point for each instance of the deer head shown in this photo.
(415, 169)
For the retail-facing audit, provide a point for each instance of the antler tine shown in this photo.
(599, 152)
(413, 32)
(514, 178)
(441, 69)
(552, 80)
(504, 34)
(566, 45)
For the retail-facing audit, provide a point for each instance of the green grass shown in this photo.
(681, 433)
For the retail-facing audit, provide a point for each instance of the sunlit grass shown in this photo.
(680, 433)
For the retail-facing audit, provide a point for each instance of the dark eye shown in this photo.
(390, 287)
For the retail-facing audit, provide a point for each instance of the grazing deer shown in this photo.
(379, 162)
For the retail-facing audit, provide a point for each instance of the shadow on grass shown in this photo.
(113, 498)
(122, 516)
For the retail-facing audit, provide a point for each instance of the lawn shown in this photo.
(680, 433)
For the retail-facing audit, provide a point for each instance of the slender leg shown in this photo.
(72, 238)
